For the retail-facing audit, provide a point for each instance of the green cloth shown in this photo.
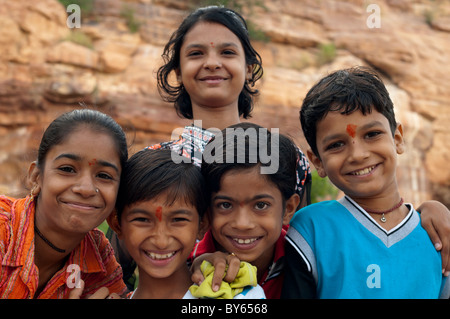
(245, 277)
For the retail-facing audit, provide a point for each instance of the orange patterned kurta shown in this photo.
(19, 276)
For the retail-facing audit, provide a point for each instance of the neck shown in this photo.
(375, 206)
(263, 262)
(378, 203)
(46, 256)
(172, 287)
(48, 261)
(220, 117)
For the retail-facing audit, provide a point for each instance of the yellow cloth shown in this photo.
(245, 277)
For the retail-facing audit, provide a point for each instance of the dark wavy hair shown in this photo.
(285, 176)
(171, 56)
(59, 130)
(345, 91)
(150, 173)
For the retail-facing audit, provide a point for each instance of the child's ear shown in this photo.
(317, 162)
(398, 139)
(113, 222)
(249, 74)
(178, 74)
(33, 178)
(204, 226)
(291, 208)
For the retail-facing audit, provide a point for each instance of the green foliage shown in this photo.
(240, 6)
(430, 16)
(327, 53)
(132, 23)
(256, 33)
(104, 227)
(322, 189)
(86, 6)
(80, 38)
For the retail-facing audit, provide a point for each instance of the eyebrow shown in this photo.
(136, 211)
(221, 45)
(333, 137)
(340, 135)
(372, 124)
(78, 158)
(259, 196)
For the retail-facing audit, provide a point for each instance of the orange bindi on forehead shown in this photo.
(158, 213)
(351, 130)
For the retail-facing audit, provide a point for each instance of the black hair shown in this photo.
(345, 91)
(57, 132)
(285, 176)
(150, 173)
(171, 56)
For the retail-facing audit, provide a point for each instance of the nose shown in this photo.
(243, 219)
(358, 151)
(212, 62)
(85, 186)
(161, 236)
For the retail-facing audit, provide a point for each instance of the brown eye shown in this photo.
(261, 205)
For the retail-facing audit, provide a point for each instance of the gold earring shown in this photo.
(32, 192)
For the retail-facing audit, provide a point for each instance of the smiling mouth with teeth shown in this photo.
(245, 241)
(160, 256)
(364, 171)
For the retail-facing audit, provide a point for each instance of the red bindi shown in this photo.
(93, 162)
(351, 130)
(212, 44)
(158, 213)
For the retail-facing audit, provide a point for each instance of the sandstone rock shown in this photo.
(73, 54)
(437, 159)
(10, 38)
(441, 24)
(120, 43)
(112, 62)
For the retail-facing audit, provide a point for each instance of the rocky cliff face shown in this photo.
(47, 68)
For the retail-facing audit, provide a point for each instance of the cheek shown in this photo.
(109, 196)
(134, 237)
(218, 222)
(190, 239)
(272, 224)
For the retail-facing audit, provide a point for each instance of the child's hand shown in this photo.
(220, 261)
(436, 221)
(102, 293)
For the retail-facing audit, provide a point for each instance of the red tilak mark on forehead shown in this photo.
(241, 204)
(212, 44)
(93, 162)
(351, 130)
(158, 213)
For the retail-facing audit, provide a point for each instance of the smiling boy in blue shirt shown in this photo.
(369, 244)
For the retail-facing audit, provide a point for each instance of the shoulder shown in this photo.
(5, 203)
(5, 212)
(97, 247)
(100, 265)
(316, 211)
(316, 220)
(98, 237)
(11, 207)
(15, 217)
